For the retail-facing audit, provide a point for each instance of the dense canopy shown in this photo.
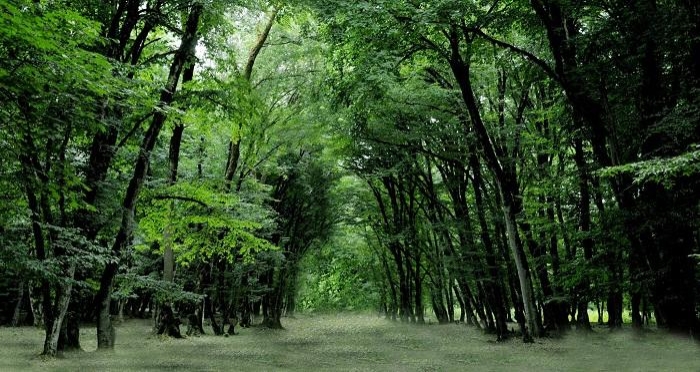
(489, 162)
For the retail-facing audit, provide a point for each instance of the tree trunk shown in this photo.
(62, 300)
(615, 309)
(185, 53)
(418, 291)
(494, 270)
(210, 311)
(532, 317)
(41, 249)
(70, 331)
(36, 315)
(450, 298)
(462, 304)
(169, 324)
(234, 152)
(16, 314)
(583, 289)
(636, 315)
(274, 300)
(124, 20)
(461, 71)
(439, 306)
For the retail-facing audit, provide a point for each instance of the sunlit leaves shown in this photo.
(665, 171)
(203, 223)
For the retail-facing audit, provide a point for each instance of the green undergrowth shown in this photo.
(354, 342)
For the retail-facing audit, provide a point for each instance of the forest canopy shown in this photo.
(478, 161)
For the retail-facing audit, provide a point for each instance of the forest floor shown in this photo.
(354, 342)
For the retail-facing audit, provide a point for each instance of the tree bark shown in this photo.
(234, 152)
(184, 54)
(460, 69)
(70, 331)
(494, 270)
(582, 320)
(16, 322)
(62, 301)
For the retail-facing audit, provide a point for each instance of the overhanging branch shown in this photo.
(182, 198)
(522, 52)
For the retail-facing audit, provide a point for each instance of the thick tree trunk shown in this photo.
(168, 323)
(119, 32)
(105, 329)
(70, 331)
(174, 161)
(210, 311)
(615, 308)
(635, 302)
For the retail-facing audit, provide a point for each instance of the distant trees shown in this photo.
(573, 140)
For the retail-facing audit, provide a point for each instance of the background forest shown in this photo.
(232, 162)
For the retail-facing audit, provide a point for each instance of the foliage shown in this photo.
(489, 161)
(666, 171)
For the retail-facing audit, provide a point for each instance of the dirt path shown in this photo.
(352, 342)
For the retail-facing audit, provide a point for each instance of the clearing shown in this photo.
(354, 342)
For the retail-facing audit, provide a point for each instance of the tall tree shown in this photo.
(183, 55)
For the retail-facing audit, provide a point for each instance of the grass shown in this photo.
(354, 342)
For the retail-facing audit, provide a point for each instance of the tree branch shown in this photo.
(262, 38)
(133, 130)
(182, 198)
(522, 52)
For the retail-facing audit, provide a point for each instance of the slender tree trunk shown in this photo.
(494, 271)
(234, 152)
(274, 309)
(532, 317)
(36, 314)
(62, 301)
(462, 304)
(393, 305)
(470, 304)
(105, 331)
(450, 297)
(512, 276)
(40, 248)
(418, 289)
(15, 322)
(461, 71)
(582, 321)
(173, 163)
